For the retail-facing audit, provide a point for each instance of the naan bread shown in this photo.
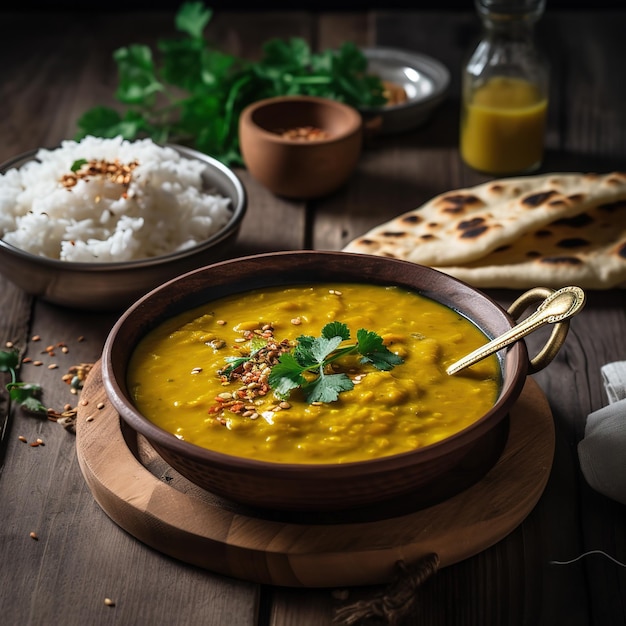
(588, 250)
(465, 225)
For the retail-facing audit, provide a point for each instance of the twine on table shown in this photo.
(584, 554)
(395, 601)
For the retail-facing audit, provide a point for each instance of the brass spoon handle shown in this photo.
(558, 306)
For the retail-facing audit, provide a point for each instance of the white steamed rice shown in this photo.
(164, 210)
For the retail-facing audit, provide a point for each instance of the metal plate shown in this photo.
(424, 80)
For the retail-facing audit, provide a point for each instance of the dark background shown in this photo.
(290, 5)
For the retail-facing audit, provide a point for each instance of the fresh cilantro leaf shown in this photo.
(255, 344)
(78, 164)
(286, 375)
(336, 329)
(303, 352)
(192, 19)
(9, 361)
(235, 362)
(25, 394)
(138, 82)
(322, 347)
(371, 346)
(327, 387)
(33, 405)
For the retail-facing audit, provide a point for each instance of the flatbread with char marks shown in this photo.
(461, 226)
(551, 230)
(588, 250)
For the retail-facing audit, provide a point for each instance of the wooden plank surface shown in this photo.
(55, 66)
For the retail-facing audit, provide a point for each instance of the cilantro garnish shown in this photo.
(306, 366)
(188, 92)
(25, 394)
(78, 164)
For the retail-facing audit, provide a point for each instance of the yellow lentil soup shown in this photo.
(176, 375)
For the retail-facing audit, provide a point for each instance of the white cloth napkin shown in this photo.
(602, 451)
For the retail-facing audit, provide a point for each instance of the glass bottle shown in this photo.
(504, 98)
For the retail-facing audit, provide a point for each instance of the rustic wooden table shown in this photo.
(56, 66)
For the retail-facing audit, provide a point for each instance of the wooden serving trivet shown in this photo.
(152, 502)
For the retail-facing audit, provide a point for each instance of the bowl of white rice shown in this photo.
(97, 223)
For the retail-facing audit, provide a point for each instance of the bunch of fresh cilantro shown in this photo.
(193, 94)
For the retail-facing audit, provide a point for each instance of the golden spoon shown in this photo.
(559, 306)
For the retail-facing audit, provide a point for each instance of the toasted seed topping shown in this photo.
(112, 171)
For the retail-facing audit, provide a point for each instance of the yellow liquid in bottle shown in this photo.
(503, 126)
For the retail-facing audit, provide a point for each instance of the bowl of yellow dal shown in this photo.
(316, 381)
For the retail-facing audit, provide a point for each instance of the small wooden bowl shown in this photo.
(315, 163)
(423, 477)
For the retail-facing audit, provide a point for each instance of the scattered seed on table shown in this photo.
(23, 439)
(84, 402)
(34, 536)
(109, 602)
(37, 363)
(100, 405)
(36, 338)
(52, 366)
(8, 344)
(89, 418)
(26, 359)
(81, 338)
(65, 349)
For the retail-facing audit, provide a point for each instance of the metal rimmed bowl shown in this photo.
(424, 80)
(114, 286)
(423, 475)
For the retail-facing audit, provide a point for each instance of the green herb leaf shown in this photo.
(33, 405)
(235, 362)
(336, 329)
(255, 344)
(192, 18)
(138, 83)
(322, 347)
(371, 346)
(287, 375)
(25, 394)
(9, 361)
(327, 387)
(78, 164)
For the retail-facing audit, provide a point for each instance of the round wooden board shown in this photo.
(148, 499)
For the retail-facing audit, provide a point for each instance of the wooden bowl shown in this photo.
(306, 164)
(422, 477)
